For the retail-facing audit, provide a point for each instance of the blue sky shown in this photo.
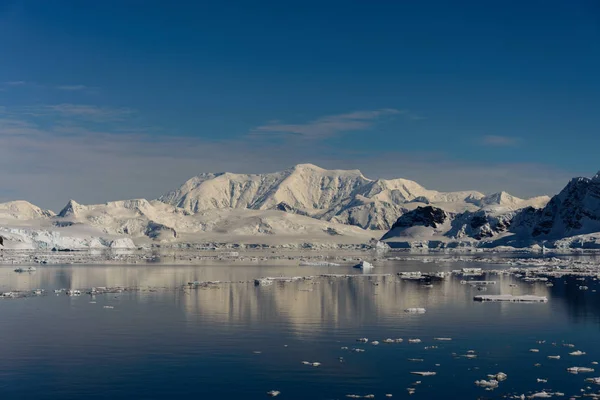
(104, 100)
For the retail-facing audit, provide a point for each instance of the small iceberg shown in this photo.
(274, 393)
(364, 265)
(577, 370)
(424, 373)
(415, 310)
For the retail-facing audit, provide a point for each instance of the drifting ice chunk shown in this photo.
(534, 350)
(364, 265)
(541, 395)
(410, 275)
(415, 310)
(492, 383)
(554, 357)
(500, 376)
(593, 380)
(425, 373)
(577, 353)
(414, 340)
(577, 370)
(442, 339)
(274, 393)
(511, 298)
(471, 271)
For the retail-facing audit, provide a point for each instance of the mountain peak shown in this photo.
(307, 166)
(596, 177)
(70, 209)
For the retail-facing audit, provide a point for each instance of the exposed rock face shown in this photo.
(480, 224)
(424, 216)
(574, 211)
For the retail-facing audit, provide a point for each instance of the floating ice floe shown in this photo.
(416, 310)
(109, 307)
(442, 339)
(416, 359)
(577, 370)
(364, 265)
(541, 395)
(511, 298)
(73, 292)
(414, 340)
(274, 393)
(500, 376)
(492, 383)
(593, 380)
(471, 271)
(577, 353)
(540, 380)
(534, 350)
(363, 340)
(554, 357)
(424, 373)
(375, 343)
(318, 264)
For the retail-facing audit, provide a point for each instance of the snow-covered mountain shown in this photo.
(504, 220)
(342, 196)
(310, 204)
(22, 210)
(141, 221)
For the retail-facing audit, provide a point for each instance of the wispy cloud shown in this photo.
(62, 87)
(328, 125)
(68, 111)
(15, 83)
(500, 141)
(72, 88)
(83, 110)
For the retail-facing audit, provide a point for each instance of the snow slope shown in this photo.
(333, 195)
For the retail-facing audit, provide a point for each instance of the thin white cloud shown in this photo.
(328, 125)
(500, 141)
(15, 83)
(72, 88)
(83, 110)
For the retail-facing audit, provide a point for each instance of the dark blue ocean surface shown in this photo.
(239, 341)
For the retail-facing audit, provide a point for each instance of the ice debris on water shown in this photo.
(492, 383)
(274, 393)
(577, 370)
(364, 265)
(415, 310)
(577, 353)
(424, 373)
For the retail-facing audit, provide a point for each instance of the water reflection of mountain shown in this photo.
(580, 305)
(326, 302)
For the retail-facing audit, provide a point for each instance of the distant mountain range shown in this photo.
(310, 204)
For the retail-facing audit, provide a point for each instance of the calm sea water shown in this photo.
(239, 341)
